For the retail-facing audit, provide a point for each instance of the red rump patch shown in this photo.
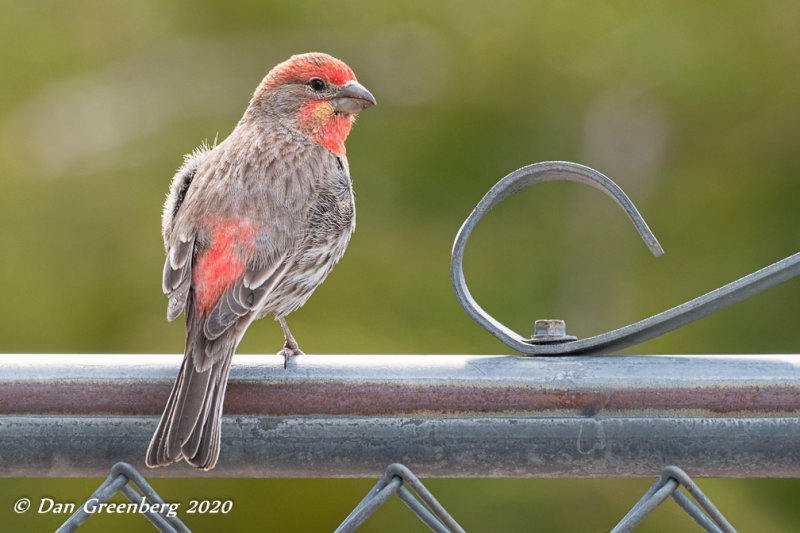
(221, 265)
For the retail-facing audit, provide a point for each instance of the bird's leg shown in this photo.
(290, 347)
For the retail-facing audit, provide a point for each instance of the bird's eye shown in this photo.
(316, 84)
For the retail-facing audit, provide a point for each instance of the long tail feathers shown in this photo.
(190, 425)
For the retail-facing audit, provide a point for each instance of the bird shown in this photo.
(251, 227)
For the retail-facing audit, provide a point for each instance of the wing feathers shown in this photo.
(177, 278)
(227, 311)
(243, 297)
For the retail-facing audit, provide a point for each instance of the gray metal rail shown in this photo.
(441, 415)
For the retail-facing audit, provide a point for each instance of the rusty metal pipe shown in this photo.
(442, 415)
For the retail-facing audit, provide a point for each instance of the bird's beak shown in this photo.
(352, 98)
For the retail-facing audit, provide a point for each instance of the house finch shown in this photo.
(252, 226)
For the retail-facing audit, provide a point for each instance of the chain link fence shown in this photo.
(398, 481)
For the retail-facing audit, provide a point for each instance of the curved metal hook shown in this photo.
(625, 336)
(509, 185)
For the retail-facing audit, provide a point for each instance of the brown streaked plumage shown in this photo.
(251, 227)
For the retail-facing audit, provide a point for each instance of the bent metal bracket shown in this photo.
(559, 343)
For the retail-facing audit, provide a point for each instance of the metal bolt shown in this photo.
(549, 331)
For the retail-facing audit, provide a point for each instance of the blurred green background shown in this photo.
(693, 108)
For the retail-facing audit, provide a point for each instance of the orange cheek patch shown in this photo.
(320, 113)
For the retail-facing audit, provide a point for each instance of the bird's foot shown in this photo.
(289, 351)
(290, 347)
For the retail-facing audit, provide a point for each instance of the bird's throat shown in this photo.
(325, 127)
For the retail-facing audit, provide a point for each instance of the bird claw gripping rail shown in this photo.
(550, 336)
